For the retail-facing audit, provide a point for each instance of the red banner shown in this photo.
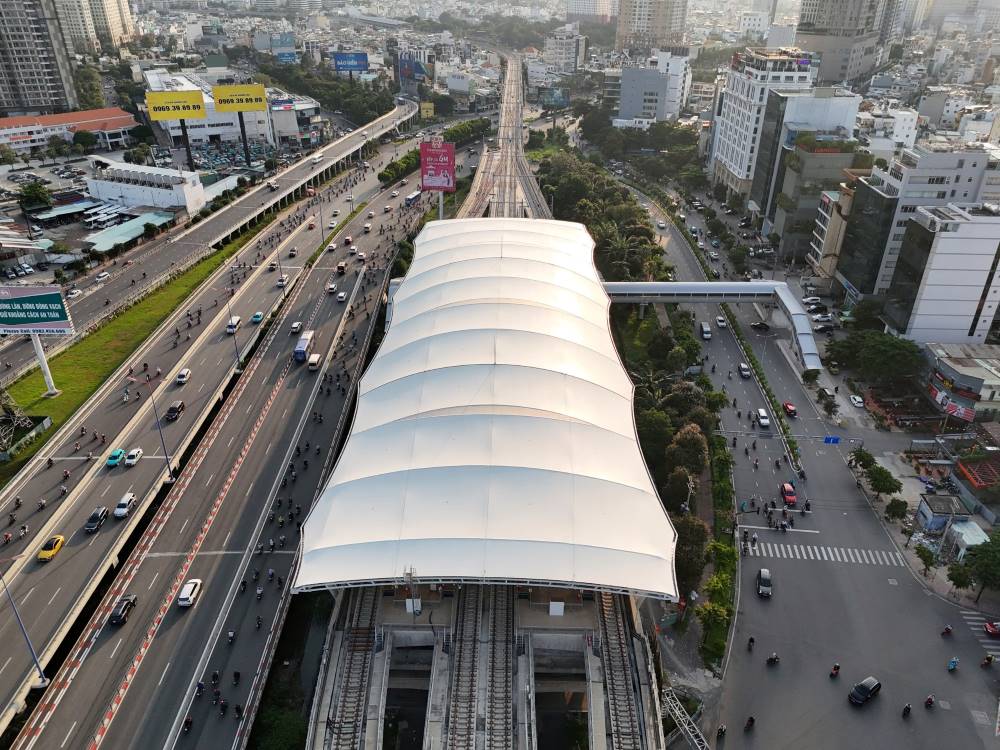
(437, 166)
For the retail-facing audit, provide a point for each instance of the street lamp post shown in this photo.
(159, 428)
(43, 681)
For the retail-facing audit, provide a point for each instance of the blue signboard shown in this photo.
(832, 440)
(350, 61)
(287, 58)
(414, 70)
(283, 40)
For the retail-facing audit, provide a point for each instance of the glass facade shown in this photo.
(868, 229)
(913, 255)
(767, 153)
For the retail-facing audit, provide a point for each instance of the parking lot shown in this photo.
(57, 177)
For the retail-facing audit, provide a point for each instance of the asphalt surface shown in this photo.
(157, 257)
(210, 527)
(49, 594)
(841, 591)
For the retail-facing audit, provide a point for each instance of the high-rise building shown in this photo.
(565, 48)
(945, 285)
(601, 11)
(35, 72)
(77, 24)
(739, 115)
(92, 25)
(930, 174)
(845, 35)
(658, 91)
(113, 22)
(768, 7)
(645, 24)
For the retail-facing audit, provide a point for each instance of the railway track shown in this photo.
(621, 700)
(500, 670)
(463, 690)
(345, 730)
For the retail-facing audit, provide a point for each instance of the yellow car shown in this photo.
(51, 548)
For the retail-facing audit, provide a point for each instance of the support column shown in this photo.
(43, 363)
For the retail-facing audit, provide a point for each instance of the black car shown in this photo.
(174, 410)
(125, 605)
(96, 520)
(817, 308)
(864, 691)
(823, 328)
(761, 326)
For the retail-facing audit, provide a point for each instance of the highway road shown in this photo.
(210, 526)
(841, 591)
(50, 601)
(182, 246)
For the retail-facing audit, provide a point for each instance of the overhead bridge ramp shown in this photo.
(731, 292)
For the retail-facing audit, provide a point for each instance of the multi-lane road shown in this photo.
(151, 262)
(842, 592)
(51, 595)
(215, 517)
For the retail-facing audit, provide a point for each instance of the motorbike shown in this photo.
(946, 631)
(953, 664)
(986, 662)
(187, 724)
(773, 659)
(906, 710)
(929, 701)
(835, 671)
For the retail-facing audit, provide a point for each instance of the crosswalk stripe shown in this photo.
(886, 556)
(822, 551)
(836, 554)
(899, 559)
(853, 558)
(812, 553)
(867, 559)
(878, 559)
(870, 558)
(798, 553)
(843, 554)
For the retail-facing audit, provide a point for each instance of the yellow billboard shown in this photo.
(426, 110)
(176, 105)
(247, 97)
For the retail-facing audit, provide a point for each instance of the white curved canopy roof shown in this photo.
(494, 436)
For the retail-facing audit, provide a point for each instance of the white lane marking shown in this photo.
(25, 599)
(201, 388)
(163, 675)
(115, 651)
(153, 580)
(66, 738)
(54, 595)
(210, 479)
(226, 540)
(5, 664)
(184, 526)
(230, 443)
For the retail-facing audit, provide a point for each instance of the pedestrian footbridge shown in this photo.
(774, 293)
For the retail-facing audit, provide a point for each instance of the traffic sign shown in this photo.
(832, 440)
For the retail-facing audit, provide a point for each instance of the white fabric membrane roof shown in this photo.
(494, 438)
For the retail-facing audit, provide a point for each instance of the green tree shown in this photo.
(655, 432)
(689, 554)
(34, 194)
(444, 105)
(881, 480)
(677, 489)
(878, 357)
(866, 315)
(677, 360)
(88, 88)
(861, 457)
(718, 586)
(896, 509)
(926, 558)
(712, 615)
(85, 138)
(830, 406)
(984, 563)
(960, 576)
(688, 449)
(149, 230)
(7, 154)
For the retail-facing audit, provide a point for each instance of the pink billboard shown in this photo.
(437, 166)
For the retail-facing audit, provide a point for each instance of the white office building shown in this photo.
(945, 287)
(752, 74)
(141, 185)
(754, 24)
(885, 132)
(565, 49)
(654, 93)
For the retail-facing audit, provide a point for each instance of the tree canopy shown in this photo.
(88, 88)
(878, 357)
(34, 194)
(983, 561)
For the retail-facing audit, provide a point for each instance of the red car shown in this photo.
(787, 493)
(992, 629)
(789, 408)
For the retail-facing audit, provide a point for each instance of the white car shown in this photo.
(332, 225)
(661, 224)
(73, 294)
(810, 300)
(102, 276)
(361, 257)
(713, 255)
(342, 297)
(352, 249)
(296, 326)
(721, 322)
(394, 194)
(823, 318)
(189, 594)
(857, 401)
(133, 456)
(183, 376)
(125, 505)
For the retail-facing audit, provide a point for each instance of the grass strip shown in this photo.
(81, 369)
(329, 238)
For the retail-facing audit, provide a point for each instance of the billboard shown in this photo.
(176, 105)
(287, 58)
(437, 166)
(283, 40)
(553, 98)
(33, 309)
(426, 110)
(350, 61)
(243, 98)
(413, 69)
(281, 105)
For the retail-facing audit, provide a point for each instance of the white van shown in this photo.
(706, 331)
(368, 228)
(313, 362)
(283, 280)
(102, 276)
(234, 324)
(763, 419)
(317, 159)
(189, 594)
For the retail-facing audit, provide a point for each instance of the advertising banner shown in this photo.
(176, 105)
(287, 58)
(33, 309)
(350, 61)
(412, 69)
(437, 166)
(248, 97)
(426, 110)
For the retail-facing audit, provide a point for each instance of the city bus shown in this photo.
(304, 347)
(412, 198)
